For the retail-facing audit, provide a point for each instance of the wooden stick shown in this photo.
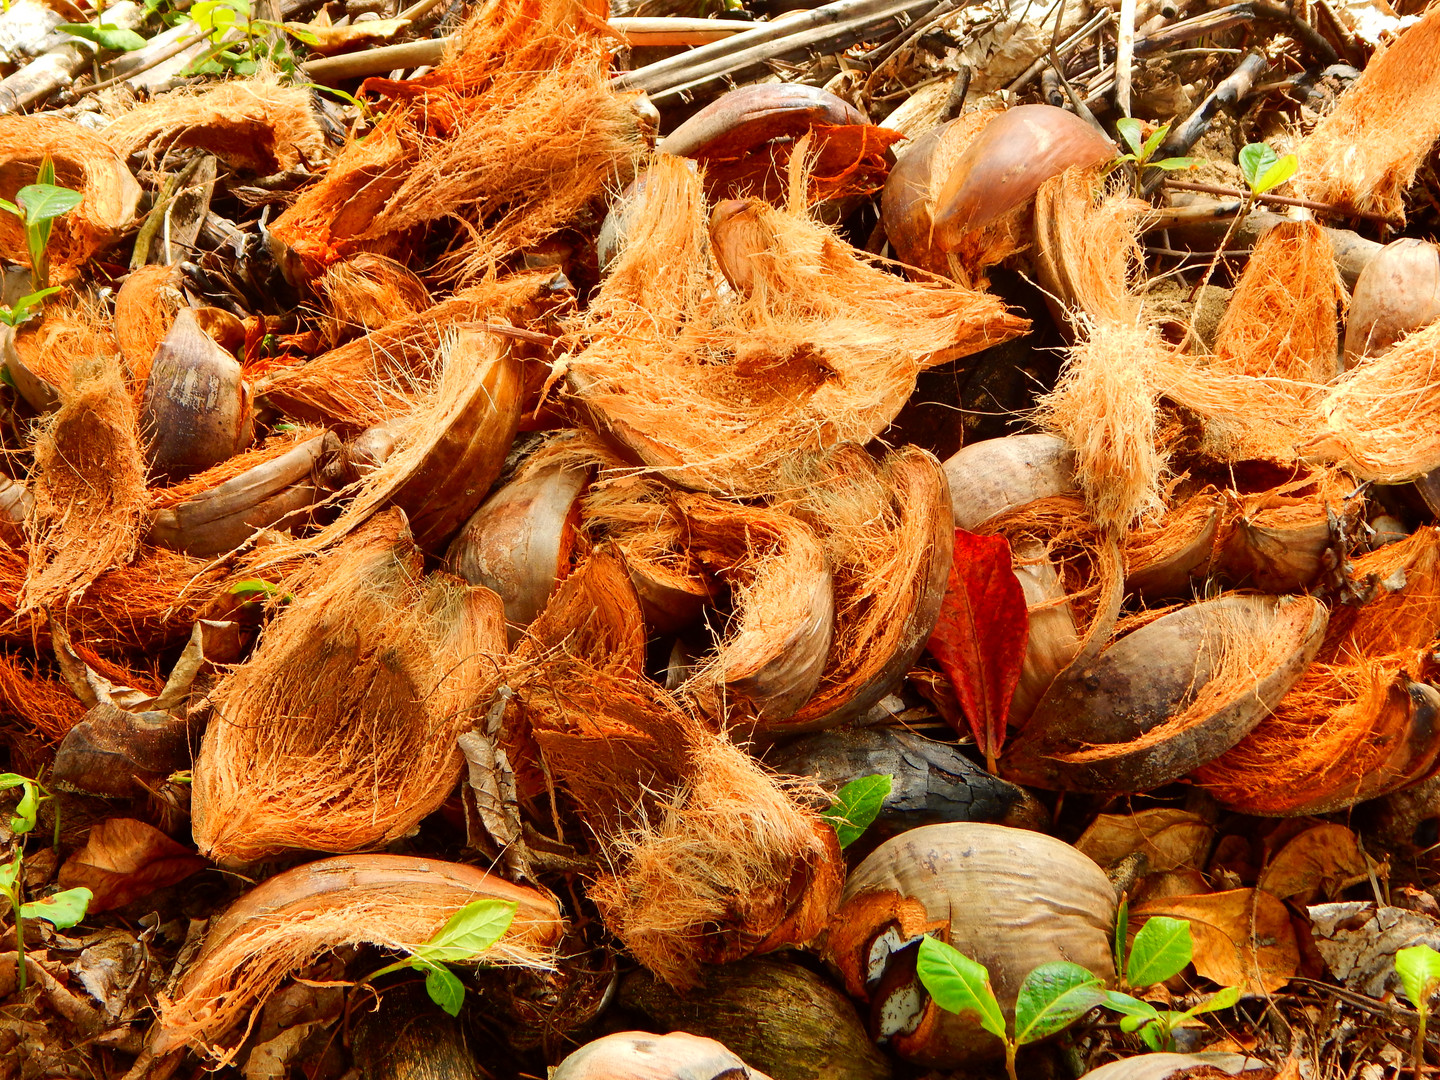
(1124, 56)
(1279, 200)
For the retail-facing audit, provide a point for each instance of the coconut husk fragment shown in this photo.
(339, 732)
(40, 703)
(994, 476)
(145, 306)
(365, 292)
(1364, 154)
(84, 162)
(1361, 722)
(511, 136)
(40, 357)
(252, 125)
(813, 347)
(295, 918)
(1087, 247)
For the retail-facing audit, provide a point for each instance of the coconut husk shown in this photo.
(376, 669)
(365, 292)
(253, 125)
(145, 306)
(1168, 554)
(89, 489)
(1087, 247)
(83, 162)
(41, 357)
(1359, 724)
(1364, 154)
(1282, 317)
(511, 136)
(1281, 540)
(812, 348)
(382, 375)
(396, 902)
(43, 705)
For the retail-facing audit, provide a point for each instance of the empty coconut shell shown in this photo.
(145, 306)
(1041, 900)
(196, 409)
(1168, 697)
(1281, 540)
(635, 1055)
(995, 476)
(123, 754)
(1398, 291)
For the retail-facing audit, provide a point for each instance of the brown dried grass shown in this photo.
(813, 347)
(1366, 152)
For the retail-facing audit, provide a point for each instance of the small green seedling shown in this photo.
(26, 307)
(216, 18)
(1142, 149)
(469, 933)
(37, 206)
(116, 38)
(1419, 968)
(1264, 170)
(856, 805)
(1052, 997)
(63, 909)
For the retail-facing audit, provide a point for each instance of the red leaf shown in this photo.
(124, 860)
(980, 636)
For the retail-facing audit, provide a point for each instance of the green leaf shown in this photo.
(1255, 159)
(107, 37)
(10, 208)
(1277, 174)
(1419, 968)
(1132, 132)
(1129, 1006)
(10, 872)
(470, 931)
(1052, 997)
(253, 587)
(64, 909)
(1122, 931)
(1156, 1036)
(11, 779)
(1153, 143)
(45, 202)
(444, 988)
(856, 806)
(1221, 999)
(26, 810)
(1160, 950)
(958, 984)
(299, 33)
(1174, 164)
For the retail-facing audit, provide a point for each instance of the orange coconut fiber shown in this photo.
(1350, 729)
(339, 732)
(1281, 320)
(41, 355)
(42, 704)
(254, 125)
(509, 138)
(1365, 153)
(145, 306)
(365, 292)
(296, 918)
(811, 347)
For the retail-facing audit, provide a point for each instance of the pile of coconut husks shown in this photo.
(624, 542)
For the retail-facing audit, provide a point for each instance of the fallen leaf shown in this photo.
(1325, 859)
(1242, 937)
(1359, 941)
(1169, 839)
(125, 859)
(980, 636)
(326, 39)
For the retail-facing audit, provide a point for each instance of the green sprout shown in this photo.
(37, 206)
(216, 18)
(1142, 149)
(1419, 969)
(466, 936)
(1264, 170)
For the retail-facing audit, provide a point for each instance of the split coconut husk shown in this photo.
(41, 703)
(366, 292)
(1364, 154)
(813, 347)
(378, 669)
(1362, 722)
(1397, 292)
(145, 306)
(995, 476)
(1042, 900)
(1168, 697)
(396, 902)
(41, 357)
(84, 162)
(519, 104)
(1168, 555)
(1283, 540)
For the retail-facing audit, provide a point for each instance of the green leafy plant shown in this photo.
(26, 307)
(1052, 997)
(63, 909)
(1419, 968)
(1143, 149)
(468, 934)
(107, 37)
(262, 39)
(1263, 169)
(856, 806)
(37, 206)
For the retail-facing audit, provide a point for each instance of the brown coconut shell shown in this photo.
(84, 162)
(376, 668)
(1042, 900)
(1168, 697)
(1282, 540)
(995, 476)
(1397, 292)
(636, 1055)
(301, 915)
(1182, 1066)
(1167, 556)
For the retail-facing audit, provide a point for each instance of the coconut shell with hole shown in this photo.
(1397, 292)
(636, 1055)
(1169, 697)
(1008, 898)
(991, 477)
(195, 411)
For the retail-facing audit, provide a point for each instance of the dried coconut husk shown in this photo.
(1168, 554)
(1359, 724)
(40, 357)
(253, 125)
(17, 506)
(1281, 540)
(887, 532)
(450, 448)
(43, 705)
(1169, 697)
(813, 347)
(1087, 246)
(1282, 316)
(365, 292)
(83, 162)
(145, 306)
(712, 860)
(397, 902)
(1365, 153)
(89, 488)
(380, 376)
(994, 476)
(510, 138)
(339, 732)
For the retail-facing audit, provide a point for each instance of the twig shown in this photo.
(1280, 200)
(882, 57)
(1063, 50)
(1124, 56)
(154, 62)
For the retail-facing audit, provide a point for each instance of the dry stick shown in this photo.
(1124, 56)
(1063, 50)
(155, 61)
(1280, 200)
(1229, 91)
(882, 57)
